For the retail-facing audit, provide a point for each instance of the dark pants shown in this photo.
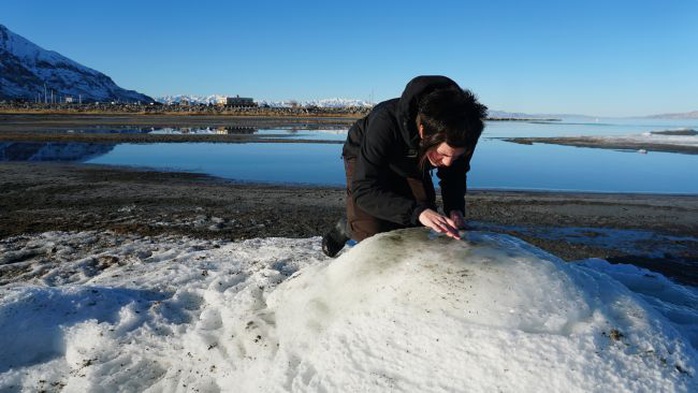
(362, 224)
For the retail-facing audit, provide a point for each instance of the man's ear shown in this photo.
(420, 129)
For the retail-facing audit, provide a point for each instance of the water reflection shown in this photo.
(291, 133)
(180, 130)
(496, 164)
(203, 130)
(53, 151)
(502, 165)
(281, 163)
(296, 132)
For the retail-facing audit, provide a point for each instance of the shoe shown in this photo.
(335, 239)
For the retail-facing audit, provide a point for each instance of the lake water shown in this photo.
(496, 165)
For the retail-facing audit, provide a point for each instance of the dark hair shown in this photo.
(450, 115)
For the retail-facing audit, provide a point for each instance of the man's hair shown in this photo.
(450, 115)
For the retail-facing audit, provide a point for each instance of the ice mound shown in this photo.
(409, 312)
(404, 311)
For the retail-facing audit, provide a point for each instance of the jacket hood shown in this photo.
(409, 101)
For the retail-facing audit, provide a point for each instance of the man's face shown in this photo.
(443, 155)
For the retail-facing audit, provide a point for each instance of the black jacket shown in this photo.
(385, 145)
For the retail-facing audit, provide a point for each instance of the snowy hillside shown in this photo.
(30, 72)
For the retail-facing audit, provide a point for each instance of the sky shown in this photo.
(403, 311)
(600, 58)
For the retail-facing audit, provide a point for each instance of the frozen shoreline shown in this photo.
(646, 142)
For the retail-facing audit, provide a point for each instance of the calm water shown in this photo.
(496, 164)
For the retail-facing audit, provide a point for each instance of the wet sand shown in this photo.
(39, 197)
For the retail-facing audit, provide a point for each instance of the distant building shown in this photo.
(239, 101)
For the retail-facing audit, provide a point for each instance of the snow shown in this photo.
(652, 138)
(36, 58)
(29, 52)
(33, 72)
(646, 138)
(191, 99)
(405, 311)
(215, 98)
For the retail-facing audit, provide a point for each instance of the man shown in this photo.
(389, 154)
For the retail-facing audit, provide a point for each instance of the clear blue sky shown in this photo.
(595, 57)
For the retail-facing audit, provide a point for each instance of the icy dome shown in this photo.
(405, 311)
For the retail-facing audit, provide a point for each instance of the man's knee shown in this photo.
(365, 228)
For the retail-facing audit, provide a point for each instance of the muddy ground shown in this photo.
(39, 197)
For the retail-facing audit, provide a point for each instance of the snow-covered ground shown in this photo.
(405, 311)
(650, 138)
(642, 141)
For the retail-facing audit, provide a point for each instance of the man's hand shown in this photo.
(441, 224)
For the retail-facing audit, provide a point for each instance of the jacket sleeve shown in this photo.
(453, 184)
(370, 184)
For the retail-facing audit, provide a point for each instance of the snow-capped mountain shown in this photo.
(30, 72)
(518, 115)
(326, 103)
(215, 98)
(191, 99)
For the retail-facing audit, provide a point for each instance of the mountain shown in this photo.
(191, 99)
(495, 114)
(214, 98)
(330, 103)
(32, 73)
(685, 115)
